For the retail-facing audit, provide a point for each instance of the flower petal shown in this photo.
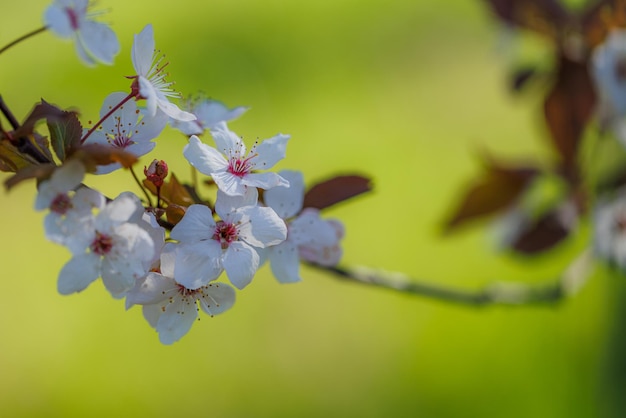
(177, 320)
(143, 51)
(270, 151)
(225, 204)
(58, 21)
(148, 92)
(287, 201)
(173, 111)
(78, 273)
(197, 225)
(229, 183)
(216, 298)
(212, 112)
(261, 226)
(82, 52)
(120, 210)
(198, 264)
(119, 275)
(264, 180)
(227, 142)
(285, 262)
(150, 127)
(100, 41)
(204, 158)
(241, 263)
(152, 313)
(310, 229)
(149, 290)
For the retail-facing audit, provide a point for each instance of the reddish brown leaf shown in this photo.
(11, 159)
(602, 16)
(335, 190)
(541, 235)
(568, 108)
(43, 110)
(497, 190)
(545, 17)
(33, 144)
(174, 213)
(93, 155)
(39, 172)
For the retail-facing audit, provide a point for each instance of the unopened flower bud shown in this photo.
(157, 172)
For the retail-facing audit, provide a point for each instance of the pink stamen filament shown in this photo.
(132, 94)
(225, 233)
(240, 167)
(186, 292)
(121, 138)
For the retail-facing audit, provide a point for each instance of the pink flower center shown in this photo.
(240, 166)
(225, 233)
(184, 292)
(120, 136)
(61, 204)
(102, 244)
(71, 14)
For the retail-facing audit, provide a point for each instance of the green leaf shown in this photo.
(11, 159)
(65, 134)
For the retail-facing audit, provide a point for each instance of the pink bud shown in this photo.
(157, 172)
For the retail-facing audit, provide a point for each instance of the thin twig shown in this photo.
(497, 293)
(23, 144)
(22, 38)
(8, 114)
(107, 115)
(143, 189)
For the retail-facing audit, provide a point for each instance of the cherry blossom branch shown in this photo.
(23, 38)
(22, 144)
(8, 114)
(108, 114)
(143, 189)
(496, 293)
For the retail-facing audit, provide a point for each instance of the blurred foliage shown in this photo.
(407, 92)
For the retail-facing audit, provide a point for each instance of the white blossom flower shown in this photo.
(609, 230)
(170, 307)
(210, 114)
(317, 239)
(114, 248)
(231, 167)
(208, 247)
(151, 83)
(94, 41)
(127, 128)
(67, 208)
(309, 237)
(609, 68)
(54, 193)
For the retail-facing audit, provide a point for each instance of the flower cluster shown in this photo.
(168, 255)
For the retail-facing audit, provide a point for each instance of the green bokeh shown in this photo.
(408, 92)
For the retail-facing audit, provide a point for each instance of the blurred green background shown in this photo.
(405, 91)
